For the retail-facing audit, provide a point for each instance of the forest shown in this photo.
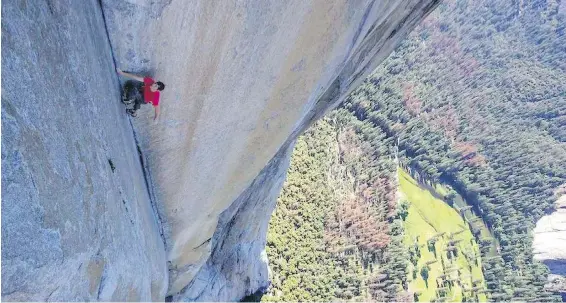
(336, 233)
(475, 99)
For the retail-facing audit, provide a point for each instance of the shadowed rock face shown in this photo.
(238, 245)
(77, 223)
(243, 79)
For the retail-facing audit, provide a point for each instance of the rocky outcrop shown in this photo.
(557, 284)
(549, 243)
(238, 245)
(244, 79)
(550, 239)
(77, 222)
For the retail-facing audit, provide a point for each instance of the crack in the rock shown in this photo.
(145, 168)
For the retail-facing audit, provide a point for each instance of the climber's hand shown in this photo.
(118, 70)
(156, 116)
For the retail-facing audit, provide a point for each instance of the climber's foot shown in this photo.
(132, 112)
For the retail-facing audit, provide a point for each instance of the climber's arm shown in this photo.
(157, 111)
(131, 76)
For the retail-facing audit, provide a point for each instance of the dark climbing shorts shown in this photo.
(133, 94)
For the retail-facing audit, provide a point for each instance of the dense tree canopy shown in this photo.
(475, 98)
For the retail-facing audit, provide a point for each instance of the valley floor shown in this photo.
(445, 258)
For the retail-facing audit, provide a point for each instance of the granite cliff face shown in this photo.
(252, 76)
(244, 79)
(77, 222)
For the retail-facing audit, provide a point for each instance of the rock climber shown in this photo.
(138, 93)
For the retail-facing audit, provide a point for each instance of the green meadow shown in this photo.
(444, 256)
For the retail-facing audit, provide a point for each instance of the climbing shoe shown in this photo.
(132, 112)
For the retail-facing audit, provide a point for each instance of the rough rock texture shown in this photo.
(243, 78)
(549, 243)
(557, 283)
(550, 239)
(77, 223)
(238, 245)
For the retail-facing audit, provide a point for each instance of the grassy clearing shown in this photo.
(453, 261)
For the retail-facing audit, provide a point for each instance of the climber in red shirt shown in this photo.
(150, 92)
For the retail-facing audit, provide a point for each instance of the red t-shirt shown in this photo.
(148, 95)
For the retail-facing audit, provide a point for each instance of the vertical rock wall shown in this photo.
(243, 78)
(77, 223)
(238, 264)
